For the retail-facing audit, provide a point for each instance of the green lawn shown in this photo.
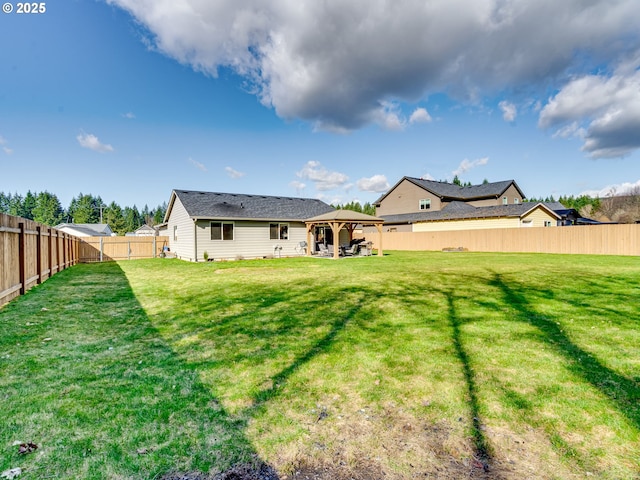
(415, 365)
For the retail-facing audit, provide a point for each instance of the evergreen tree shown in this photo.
(15, 205)
(4, 202)
(113, 216)
(48, 209)
(85, 209)
(28, 204)
(132, 219)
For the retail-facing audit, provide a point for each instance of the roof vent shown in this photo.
(241, 205)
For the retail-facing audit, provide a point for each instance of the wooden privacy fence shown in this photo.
(583, 239)
(30, 253)
(102, 249)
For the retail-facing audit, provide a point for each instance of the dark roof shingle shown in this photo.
(258, 207)
(516, 210)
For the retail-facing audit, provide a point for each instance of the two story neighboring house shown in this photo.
(419, 205)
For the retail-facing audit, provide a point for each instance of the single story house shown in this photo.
(86, 229)
(229, 225)
(461, 216)
(143, 231)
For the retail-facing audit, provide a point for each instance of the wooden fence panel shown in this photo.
(29, 256)
(587, 239)
(96, 249)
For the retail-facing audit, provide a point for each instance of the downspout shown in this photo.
(195, 238)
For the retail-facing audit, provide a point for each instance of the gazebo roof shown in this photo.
(345, 216)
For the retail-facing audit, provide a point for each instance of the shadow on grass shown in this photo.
(318, 347)
(624, 393)
(483, 452)
(105, 395)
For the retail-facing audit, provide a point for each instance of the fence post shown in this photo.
(50, 243)
(128, 249)
(154, 247)
(39, 253)
(22, 257)
(101, 249)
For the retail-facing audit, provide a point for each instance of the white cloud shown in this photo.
(129, 115)
(427, 176)
(377, 184)
(467, 165)
(603, 110)
(90, 141)
(197, 164)
(322, 178)
(233, 173)
(509, 111)
(420, 115)
(5, 149)
(336, 64)
(297, 186)
(624, 188)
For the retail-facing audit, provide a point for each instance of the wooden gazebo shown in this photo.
(339, 219)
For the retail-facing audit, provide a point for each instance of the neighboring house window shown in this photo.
(505, 200)
(392, 229)
(425, 204)
(221, 231)
(516, 200)
(547, 223)
(527, 223)
(279, 231)
(175, 233)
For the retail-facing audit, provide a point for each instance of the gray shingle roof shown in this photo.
(451, 191)
(460, 214)
(257, 207)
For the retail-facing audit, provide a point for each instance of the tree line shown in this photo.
(45, 207)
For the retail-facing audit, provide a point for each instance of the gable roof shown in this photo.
(345, 215)
(452, 192)
(236, 206)
(517, 210)
(88, 229)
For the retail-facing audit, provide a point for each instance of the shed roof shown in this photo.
(236, 206)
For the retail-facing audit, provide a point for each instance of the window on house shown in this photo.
(221, 231)
(279, 231)
(175, 233)
(505, 200)
(547, 223)
(516, 200)
(425, 204)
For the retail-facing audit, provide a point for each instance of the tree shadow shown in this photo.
(483, 451)
(623, 393)
(119, 399)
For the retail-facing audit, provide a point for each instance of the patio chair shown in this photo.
(351, 250)
(301, 248)
(324, 251)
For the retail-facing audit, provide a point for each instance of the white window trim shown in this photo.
(427, 203)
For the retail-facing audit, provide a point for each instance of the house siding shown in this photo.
(405, 198)
(251, 239)
(474, 224)
(539, 216)
(183, 247)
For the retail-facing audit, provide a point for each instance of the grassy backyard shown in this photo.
(415, 365)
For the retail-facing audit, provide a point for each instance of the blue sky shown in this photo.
(335, 100)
